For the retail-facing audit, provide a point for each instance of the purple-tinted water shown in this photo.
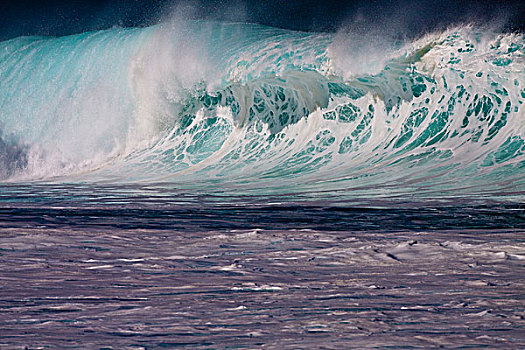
(108, 268)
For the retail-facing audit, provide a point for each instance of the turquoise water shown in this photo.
(249, 109)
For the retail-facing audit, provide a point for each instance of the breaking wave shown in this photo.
(246, 108)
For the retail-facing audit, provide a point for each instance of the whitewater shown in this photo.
(205, 184)
(263, 109)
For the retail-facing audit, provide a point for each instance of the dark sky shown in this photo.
(60, 17)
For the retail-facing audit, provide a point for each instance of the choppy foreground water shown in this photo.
(124, 273)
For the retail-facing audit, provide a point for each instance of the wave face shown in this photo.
(240, 108)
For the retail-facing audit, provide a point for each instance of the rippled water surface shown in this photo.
(88, 270)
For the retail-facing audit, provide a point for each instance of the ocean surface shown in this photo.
(201, 184)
